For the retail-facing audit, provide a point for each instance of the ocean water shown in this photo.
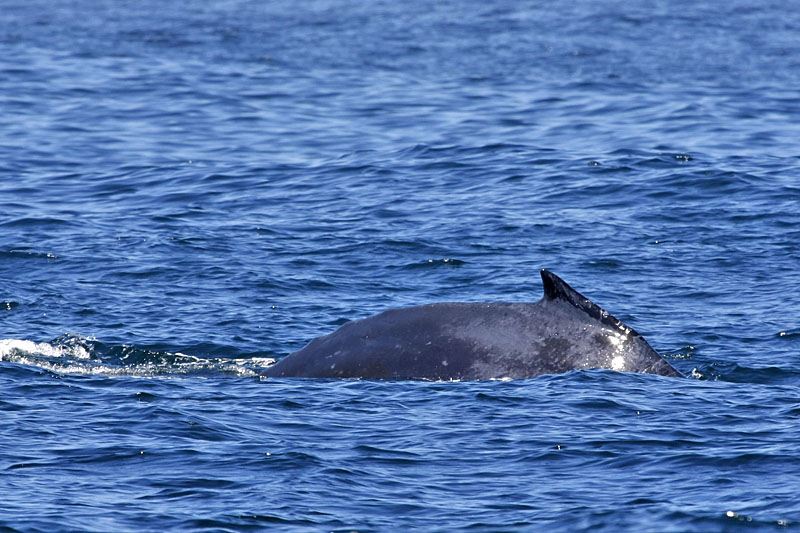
(191, 190)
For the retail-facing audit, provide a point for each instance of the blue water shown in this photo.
(191, 190)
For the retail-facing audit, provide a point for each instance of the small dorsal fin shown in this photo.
(556, 288)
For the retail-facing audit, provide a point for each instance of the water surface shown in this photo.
(190, 191)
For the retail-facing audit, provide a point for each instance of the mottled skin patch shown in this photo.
(473, 341)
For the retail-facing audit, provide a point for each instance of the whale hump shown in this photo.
(472, 341)
(556, 289)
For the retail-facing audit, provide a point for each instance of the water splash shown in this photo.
(78, 355)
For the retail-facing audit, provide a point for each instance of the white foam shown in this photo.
(11, 348)
(74, 358)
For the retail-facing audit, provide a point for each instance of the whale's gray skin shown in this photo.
(474, 341)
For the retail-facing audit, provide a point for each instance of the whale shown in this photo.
(462, 341)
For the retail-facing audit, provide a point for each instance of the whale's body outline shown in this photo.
(476, 341)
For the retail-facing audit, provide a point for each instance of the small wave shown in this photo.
(447, 261)
(77, 355)
(740, 373)
(26, 254)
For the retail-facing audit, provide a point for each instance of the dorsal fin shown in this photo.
(556, 288)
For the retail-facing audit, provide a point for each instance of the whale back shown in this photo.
(473, 341)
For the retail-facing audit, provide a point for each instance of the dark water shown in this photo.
(189, 190)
